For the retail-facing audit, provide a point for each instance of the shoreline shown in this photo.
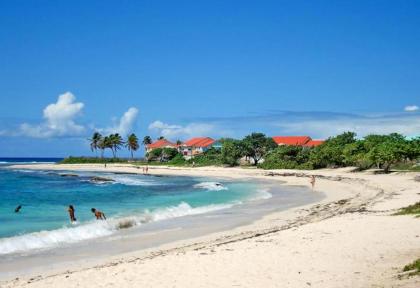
(350, 198)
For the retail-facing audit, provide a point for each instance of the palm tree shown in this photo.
(178, 142)
(132, 144)
(147, 140)
(103, 144)
(115, 142)
(94, 142)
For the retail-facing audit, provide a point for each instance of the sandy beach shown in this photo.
(348, 239)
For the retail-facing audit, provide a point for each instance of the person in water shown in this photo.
(71, 213)
(313, 181)
(17, 209)
(98, 214)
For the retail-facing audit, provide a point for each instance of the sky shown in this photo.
(204, 68)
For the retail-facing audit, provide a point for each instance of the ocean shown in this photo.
(127, 200)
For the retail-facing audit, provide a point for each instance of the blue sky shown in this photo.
(194, 68)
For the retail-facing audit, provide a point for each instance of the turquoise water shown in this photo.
(130, 200)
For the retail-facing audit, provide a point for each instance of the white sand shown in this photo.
(349, 243)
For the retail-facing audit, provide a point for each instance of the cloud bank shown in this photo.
(411, 108)
(124, 125)
(176, 131)
(59, 119)
(317, 124)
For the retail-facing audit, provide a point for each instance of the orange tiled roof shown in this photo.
(314, 143)
(199, 142)
(292, 140)
(160, 143)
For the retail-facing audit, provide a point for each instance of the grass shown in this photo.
(413, 268)
(410, 210)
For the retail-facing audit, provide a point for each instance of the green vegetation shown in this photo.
(162, 154)
(373, 151)
(91, 160)
(414, 268)
(385, 152)
(256, 146)
(412, 209)
(132, 144)
(114, 142)
(232, 151)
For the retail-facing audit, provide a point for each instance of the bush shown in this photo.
(91, 160)
(288, 157)
(210, 157)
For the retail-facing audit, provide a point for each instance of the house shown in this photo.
(304, 141)
(162, 143)
(314, 143)
(197, 145)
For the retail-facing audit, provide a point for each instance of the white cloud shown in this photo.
(125, 124)
(362, 126)
(174, 131)
(411, 108)
(59, 119)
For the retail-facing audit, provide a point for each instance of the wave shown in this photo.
(54, 238)
(3, 162)
(211, 186)
(43, 240)
(262, 194)
(132, 181)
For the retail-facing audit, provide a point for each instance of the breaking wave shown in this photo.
(133, 181)
(211, 186)
(55, 238)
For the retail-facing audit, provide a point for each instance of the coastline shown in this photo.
(350, 227)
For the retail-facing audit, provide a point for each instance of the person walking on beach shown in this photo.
(312, 181)
(147, 169)
(98, 214)
(71, 213)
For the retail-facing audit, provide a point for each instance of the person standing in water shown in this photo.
(312, 181)
(98, 214)
(71, 213)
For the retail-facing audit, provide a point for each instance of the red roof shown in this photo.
(314, 143)
(199, 142)
(161, 143)
(292, 140)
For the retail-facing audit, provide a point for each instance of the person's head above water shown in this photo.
(71, 207)
(93, 210)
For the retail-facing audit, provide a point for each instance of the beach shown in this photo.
(346, 239)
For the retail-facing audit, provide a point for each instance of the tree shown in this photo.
(94, 141)
(161, 138)
(115, 143)
(168, 154)
(330, 153)
(178, 142)
(287, 157)
(231, 152)
(387, 153)
(147, 140)
(132, 144)
(257, 145)
(103, 144)
(154, 154)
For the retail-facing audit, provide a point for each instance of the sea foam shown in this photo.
(211, 186)
(60, 237)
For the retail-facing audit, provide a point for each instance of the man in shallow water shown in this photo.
(71, 213)
(98, 214)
